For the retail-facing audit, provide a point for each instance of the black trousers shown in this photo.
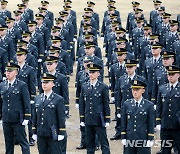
(139, 150)
(91, 132)
(83, 137)
(9, 130)
(170, 136)
(63, 144)
(46, 145)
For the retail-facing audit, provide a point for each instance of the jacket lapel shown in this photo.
(51, 97)
(12, 87)
(95, 88)
(174, 90)
(141, 105)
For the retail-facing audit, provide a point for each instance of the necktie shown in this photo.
(45, 99)
(171, 89)
(129, 80)
(9, 86)
(136, 106)
(155, 61)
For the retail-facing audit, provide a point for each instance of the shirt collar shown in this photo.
(12, 82)
(123, 64)
(48, 94)
(156, 58)
(21, 66)
(132, 76)
(93, 84)
(174, 85)
(139, 101)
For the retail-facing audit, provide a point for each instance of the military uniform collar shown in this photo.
(21, 66)
(132, 76)
(48, 94)
(174, 85)
(12, 82)
(123, 64)
(139, 101)
(157, 59)
(93, 84)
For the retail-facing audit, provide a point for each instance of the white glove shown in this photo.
(119, 115)
(74, 39)
(66, 112)
(4, 78)
(82, 124)
(25, 122)
(154, 107)
(149, 143)
(60, 137)
(158, 127)
(112, 99)
(32, 102)
(34, 137)
(77, 106)
(107, 124)
(123, 141)
(102, 38)
(39, 60)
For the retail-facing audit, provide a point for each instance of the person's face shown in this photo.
(26, 38)
(21, 9)
(146, 32)
(10, 24)
(11, 74)
(121, 45)
(89, 39)
(168, 61)
(121, 58)
(39, 21)
(51, 66)
(130, 69)
(85, 64)
(94, 75)
(156, 52)
(156, 6)
(135, 7)
(173, 77)
(56, 33)
(173, 28)
(56, 44)
(64, 18)
(44, 6)
(165, 20)
(21, 58)
(2, 32)
(32, 28)
(17, 17)
(55, 54)
(47, 86)
(119, 34)
(137, 93)
(139, 24)
(3, 6)
(89, 51)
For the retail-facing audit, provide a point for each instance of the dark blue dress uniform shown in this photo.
(137, 121)
(4, 13)
(7, 44)
(176, 49)
(154, 13)
(150, 66)
(116, 71)
(171, 37)
(15, 100)
(43, 30)
(167, 111)
(160, 76)
(95, 112)
(49, 122)
(3, 60)
(163, 28)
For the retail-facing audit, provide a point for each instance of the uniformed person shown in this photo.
(12, 33)
(168, 111)
(123, 92)
(176, 49)
(154, 13)
(94, 110)
(28, 10)
(49, 118)
(137, 121)
(24, 16)
(172, 36)
(6, 43)
(27, 74)
(151, 65)
(16, 110)
(4, 13)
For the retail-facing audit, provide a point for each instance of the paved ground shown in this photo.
(124, 6)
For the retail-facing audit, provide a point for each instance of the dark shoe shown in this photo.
(97, 148)
(31, 142)
(159, 152)
(81, 147)
(115, 137)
